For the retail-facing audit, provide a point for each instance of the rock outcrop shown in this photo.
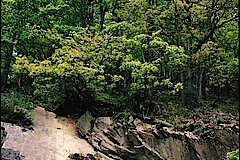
(7, 153)
(3, 135)
(133, 139)
(84, 125)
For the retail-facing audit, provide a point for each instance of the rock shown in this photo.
(9, 154)
(110, 139)
(97, 156)
(101, 156)
(161, 123)
(137, 140)
(102, 123)
(84, 125)
(3, 135)
(6, 153)
(77, 156)
(137, 122)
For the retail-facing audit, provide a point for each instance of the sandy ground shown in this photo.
(52, 138)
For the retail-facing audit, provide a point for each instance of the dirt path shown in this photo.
(51, 139)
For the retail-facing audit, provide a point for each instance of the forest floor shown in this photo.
(51, 138)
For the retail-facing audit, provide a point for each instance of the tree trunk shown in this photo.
(189, 82)
(202, 77)
(200, 87)
(102, 15)
(63, 88)
(5, 73)
(19, 77)
(178, 28)
(125, 81)
(114, 6)
(237, 85)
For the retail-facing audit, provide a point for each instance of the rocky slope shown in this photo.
(133, 138)
(124, 137)
(51, 139)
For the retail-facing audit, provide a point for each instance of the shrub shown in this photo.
(234, 155)
(15, 108)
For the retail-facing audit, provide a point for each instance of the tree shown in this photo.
(132, 51)
(108, 67)
(192, 24)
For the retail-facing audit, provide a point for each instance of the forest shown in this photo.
(164, 58)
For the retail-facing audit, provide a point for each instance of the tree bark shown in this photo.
(189, 82)
(102, 15)
(63, 88)
(5, 73)
(178, 29)
(200, 88)
(202, 77)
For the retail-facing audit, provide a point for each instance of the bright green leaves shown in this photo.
(108, 63)
(121, 29)
(147, 64)
(222, 70)
(234, 155)
(221, 65)
(142, 75)
(171, 88)
(117, 78)
(167, 83)
(21, 65)
(134, 55)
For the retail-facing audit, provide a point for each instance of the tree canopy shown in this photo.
(131, 53)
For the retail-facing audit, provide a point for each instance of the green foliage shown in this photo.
(125, 52)
(221, 65)
(16, 108)
(108, 66)
(234, 155)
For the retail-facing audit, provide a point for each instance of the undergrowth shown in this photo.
(234, 155)
(16, 108)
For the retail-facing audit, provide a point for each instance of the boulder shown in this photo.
(85, 124)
